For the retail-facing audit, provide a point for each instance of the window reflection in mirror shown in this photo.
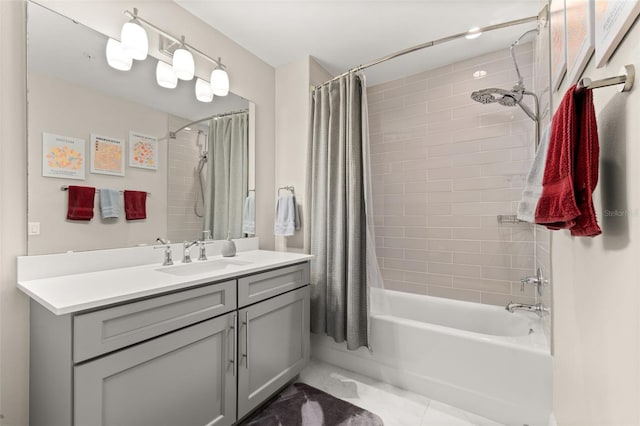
(201, 176)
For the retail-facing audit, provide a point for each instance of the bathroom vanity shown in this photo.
(205, 345)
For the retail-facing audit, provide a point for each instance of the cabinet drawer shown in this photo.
(262, 286)
(103, 331)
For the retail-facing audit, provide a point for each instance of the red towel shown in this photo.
(571, 170)
(81, 200)
(135, 205)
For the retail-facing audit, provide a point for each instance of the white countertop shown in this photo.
(73, 293)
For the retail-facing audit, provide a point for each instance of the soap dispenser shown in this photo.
(228, 247)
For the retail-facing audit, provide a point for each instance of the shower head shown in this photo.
(504, 97)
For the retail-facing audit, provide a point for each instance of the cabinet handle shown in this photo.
(246, 340)
(235, 344)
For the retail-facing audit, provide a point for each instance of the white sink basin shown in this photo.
(202, 267)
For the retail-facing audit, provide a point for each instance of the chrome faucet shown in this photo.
(186, 250)
(166, 261)
(537, 308)
(203, 250)
(538, 281)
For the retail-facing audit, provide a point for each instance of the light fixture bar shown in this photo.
(172, 37)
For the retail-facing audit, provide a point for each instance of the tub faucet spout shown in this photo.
(537, 308)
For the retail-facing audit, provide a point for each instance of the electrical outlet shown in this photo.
(34, 228)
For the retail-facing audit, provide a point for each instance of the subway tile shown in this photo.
(451, 125)
(511, 168)
(428, 279)
(406, 287)
(455, 269)
(480, 133)
(482, 158)
(448, 103)
(438, 117)
(490, 80)
(405, 89)
(373, 98)
(385, 106)
(385, 86)
(454, 172)
(482, 259)
(525, 153)
(384, 231)
(390, 253)
(503, 299)
(465, 196)
(462, 246)
(402, 220)
(455, 221)
(481, 208)
(493, 286)
(454, 293)
(439, 233)
(428, 256)
(509, 194)
(492, 182)
(392, 274)
(406, 265)
(482, 234)
(501, 143)
(507, 274)
(454, 148)
(508, 247)
(404, 133)
(520, 234)
(405, 113)
(527, 291)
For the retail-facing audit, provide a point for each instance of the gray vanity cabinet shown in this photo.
(182, 378)
(273, 346)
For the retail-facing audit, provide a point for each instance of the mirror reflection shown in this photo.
(123, 132)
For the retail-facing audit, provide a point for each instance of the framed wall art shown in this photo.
(580, 21)
(613, 19)
(62, 156)
(107, 155)
(558, 43)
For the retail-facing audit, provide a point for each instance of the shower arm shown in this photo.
(513, 55)
(536, 119)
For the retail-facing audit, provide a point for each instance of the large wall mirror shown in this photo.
(94, 126)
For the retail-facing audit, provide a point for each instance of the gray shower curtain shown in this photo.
(336, 184)
(227, 175)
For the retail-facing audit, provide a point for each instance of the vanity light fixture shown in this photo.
(134, 40)
(220, 80)
(204, 91)
(473, 33)
(165, 77)
(116, 57)
(183, 64)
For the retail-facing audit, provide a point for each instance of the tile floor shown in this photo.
(396, 407)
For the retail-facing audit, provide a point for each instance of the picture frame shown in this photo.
(63, 156)
(143, 151)
(580, 37)
(558, 43)
(107, 155)
(613, 18)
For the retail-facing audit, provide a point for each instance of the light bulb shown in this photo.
(165, 77)
(134, 40)
(116, 58)
(220, 82)
(183, 64)
(204, 92)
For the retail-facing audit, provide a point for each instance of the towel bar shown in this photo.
(288, 188)
(66, 188)
(627, 78)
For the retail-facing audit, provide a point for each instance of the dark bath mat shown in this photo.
(304, 405)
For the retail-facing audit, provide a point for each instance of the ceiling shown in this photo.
(343, 34)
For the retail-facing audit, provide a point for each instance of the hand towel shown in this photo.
(285, 224)
(109, 203)
(533, 187)
(249, 215)
(296, 216)
(135, 205)
(571, 170)
(80, 204)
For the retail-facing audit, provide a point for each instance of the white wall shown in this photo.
(294, 83)
(596, 296)
(14, 312)
(250, 78)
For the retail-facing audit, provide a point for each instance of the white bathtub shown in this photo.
(480, 358)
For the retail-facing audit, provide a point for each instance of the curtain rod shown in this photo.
(173, 134)
(430, 44)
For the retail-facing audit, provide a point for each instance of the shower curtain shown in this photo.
(340, 231)
(227, 175)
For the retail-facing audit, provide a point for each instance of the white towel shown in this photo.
(285, 225)
(109, 203)
(533, 187)
(249, 215)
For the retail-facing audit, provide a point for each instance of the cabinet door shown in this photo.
(273, 346)
(183, 378)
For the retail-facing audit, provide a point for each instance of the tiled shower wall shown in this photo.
(443, 168)
(183, 187)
